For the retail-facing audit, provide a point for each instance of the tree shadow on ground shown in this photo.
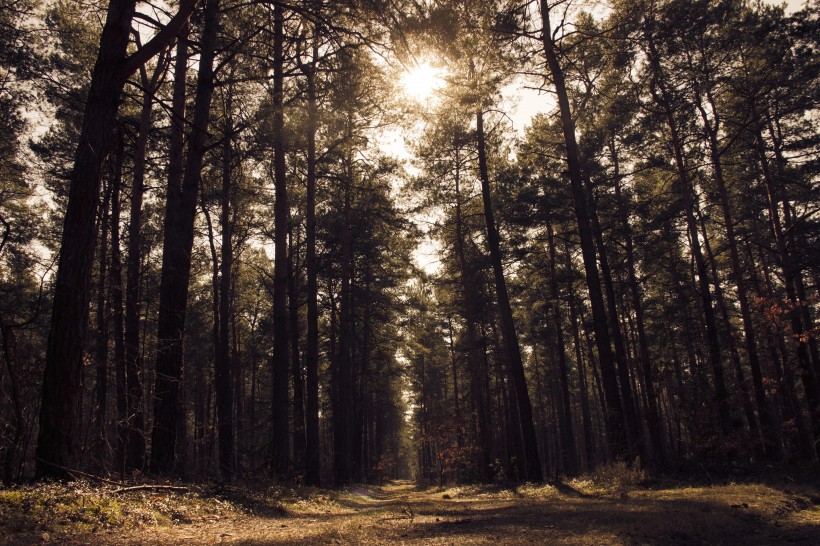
(570, 521)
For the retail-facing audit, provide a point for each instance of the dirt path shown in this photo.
(401, 513)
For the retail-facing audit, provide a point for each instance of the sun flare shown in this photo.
(422, 80)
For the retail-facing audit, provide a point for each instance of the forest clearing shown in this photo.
(579, 512)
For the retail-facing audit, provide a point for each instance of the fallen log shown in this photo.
(149, 487)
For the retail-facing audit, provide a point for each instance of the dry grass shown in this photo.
(611, 507)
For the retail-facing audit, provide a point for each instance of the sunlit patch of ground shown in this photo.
(401, 513)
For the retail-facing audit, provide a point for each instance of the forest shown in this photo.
(324, 243)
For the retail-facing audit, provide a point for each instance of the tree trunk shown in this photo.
(135, 456)
(750, 335)
(223, 365)
(62, 376)
(312, 447)
(525, 426)
(661, 96)
(101, 353)
(344, 385)
(616, 422)
(180, 210)
(653, 412)
(61, 394)
(568, 452)
(479, 401)
(299, 439)
(637, 446)
(280, 363)
(115, 282)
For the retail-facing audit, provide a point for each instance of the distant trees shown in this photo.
(668, 262)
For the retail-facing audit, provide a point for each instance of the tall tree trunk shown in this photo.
(56, 443)
(180, 211)
(299, 439)
(615, 419)
(810, 386)
(223, 365)
(312, 447)
(653, 412)
(280, 362)
(662, 97)
(115, 283)
(62, 375)
(525, 426)
(135, 456)
(748, 407)
(637, 445)
(101, 353)
(750, 335)
(474, 358)
(568, 452)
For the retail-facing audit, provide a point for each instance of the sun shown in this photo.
(422, 80)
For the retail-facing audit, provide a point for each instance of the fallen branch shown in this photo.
(152, 488)
(75, 474)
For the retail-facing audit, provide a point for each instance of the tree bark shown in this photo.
(223, 365)
(62, 376)
(615, 419)
(280, 362)
(662, 96)
(568, 452)
(180, 210)
(525, 426)
(479, 401)
(312, 447)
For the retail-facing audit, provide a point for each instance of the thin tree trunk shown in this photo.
(653, 413)
(101, 353)
(135, 456)
(312, 447)
(661, 96)
(748, 407)
(615, 418)
(568, 452)
(637, 444)
(115, 282)
(280, 363)
(223, 365)
(810, 387)
(750, 335)
(525, 426)
(299, 439)
(479, 401)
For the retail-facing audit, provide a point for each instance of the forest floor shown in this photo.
(576, 512)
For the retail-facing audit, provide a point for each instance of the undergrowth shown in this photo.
(83, 507)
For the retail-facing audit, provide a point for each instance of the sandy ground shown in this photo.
(402, 513)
